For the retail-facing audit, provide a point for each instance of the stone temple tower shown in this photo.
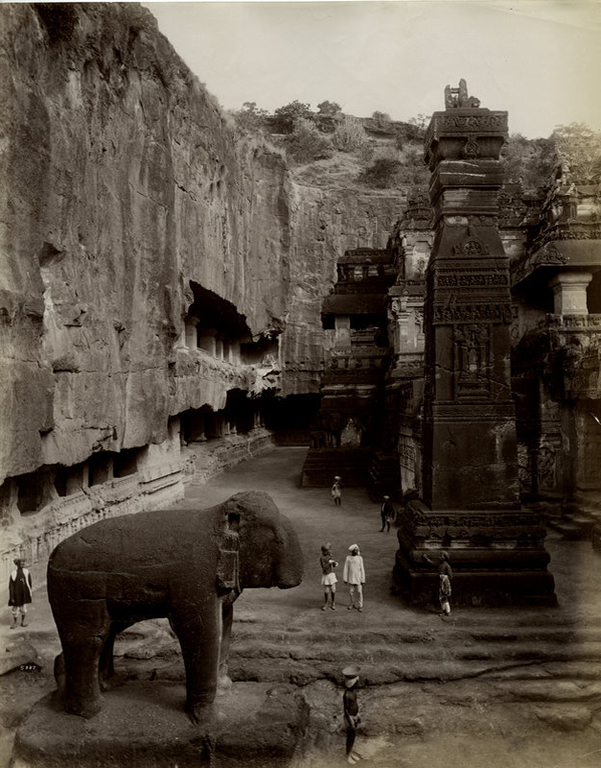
(470, 507)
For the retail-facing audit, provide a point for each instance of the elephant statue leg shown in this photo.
(82, 645)
(106, 669)
(199, 632)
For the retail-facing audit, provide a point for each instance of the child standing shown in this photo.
(328, 577)
(445, 578)
(351, 711)
(336, 491)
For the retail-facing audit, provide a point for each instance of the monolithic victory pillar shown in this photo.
(470, 507)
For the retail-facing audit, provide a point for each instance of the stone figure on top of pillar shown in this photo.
(459, 98)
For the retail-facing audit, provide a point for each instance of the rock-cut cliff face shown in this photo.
(124, 185)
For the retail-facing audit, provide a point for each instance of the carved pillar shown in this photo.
(342, 336)
(190, 330)
(470, 504)
(569, 292)
(469, 443)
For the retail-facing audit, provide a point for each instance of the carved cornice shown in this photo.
(547, 256)
(469, 520)
(462, 123)
(575, 322)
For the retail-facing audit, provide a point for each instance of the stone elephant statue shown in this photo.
(183, 564)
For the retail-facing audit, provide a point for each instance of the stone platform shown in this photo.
(143, 725)
(498, 557)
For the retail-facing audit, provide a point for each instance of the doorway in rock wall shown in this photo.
(289, 417)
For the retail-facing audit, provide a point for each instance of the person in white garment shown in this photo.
(354, 576)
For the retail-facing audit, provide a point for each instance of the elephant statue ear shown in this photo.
(228, 564)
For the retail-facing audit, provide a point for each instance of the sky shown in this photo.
(538, 59)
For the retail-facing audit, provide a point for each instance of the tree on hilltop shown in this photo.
(250, 117)
(580, 147)
(329, 108)
(381, 117)
(529, 162)
(288, 115)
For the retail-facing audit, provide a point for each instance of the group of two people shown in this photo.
(353, 575)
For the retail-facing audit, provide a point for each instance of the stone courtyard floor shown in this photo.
(485, 688)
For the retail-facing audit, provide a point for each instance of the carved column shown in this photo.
(569, 292)
(470, 504)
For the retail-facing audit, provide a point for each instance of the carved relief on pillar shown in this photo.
(419, 320)
(471, 148)
(473, 525)
(472, 360)
(453, 277)
(471, 246)
(546, 462)
(472, 313)
(524, 468)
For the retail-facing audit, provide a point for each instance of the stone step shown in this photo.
(565, 637)
(549, 691)
(571, 530)
(431, 652)
(515, 676)
(525, 681)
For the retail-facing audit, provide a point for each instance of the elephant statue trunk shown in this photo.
(290, 571)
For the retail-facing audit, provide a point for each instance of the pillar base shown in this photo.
(143, 724)
(498, 557)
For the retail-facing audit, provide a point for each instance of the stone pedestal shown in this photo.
(471, 506)
(142, 725)
(569, 293)
(497, 557)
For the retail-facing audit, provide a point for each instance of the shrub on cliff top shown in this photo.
(307, 144)
(251, 119)
(382, 173)
(349, 136)
(288, 116)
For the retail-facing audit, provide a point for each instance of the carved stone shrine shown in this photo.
(470, 503)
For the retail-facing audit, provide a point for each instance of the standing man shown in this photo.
(19, 592)
(354, 576)
(386, 513)
(351, 711)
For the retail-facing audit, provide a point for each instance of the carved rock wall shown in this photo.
(123, 182)
(325, 223)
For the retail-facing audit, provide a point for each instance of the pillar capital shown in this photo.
(465, 135)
